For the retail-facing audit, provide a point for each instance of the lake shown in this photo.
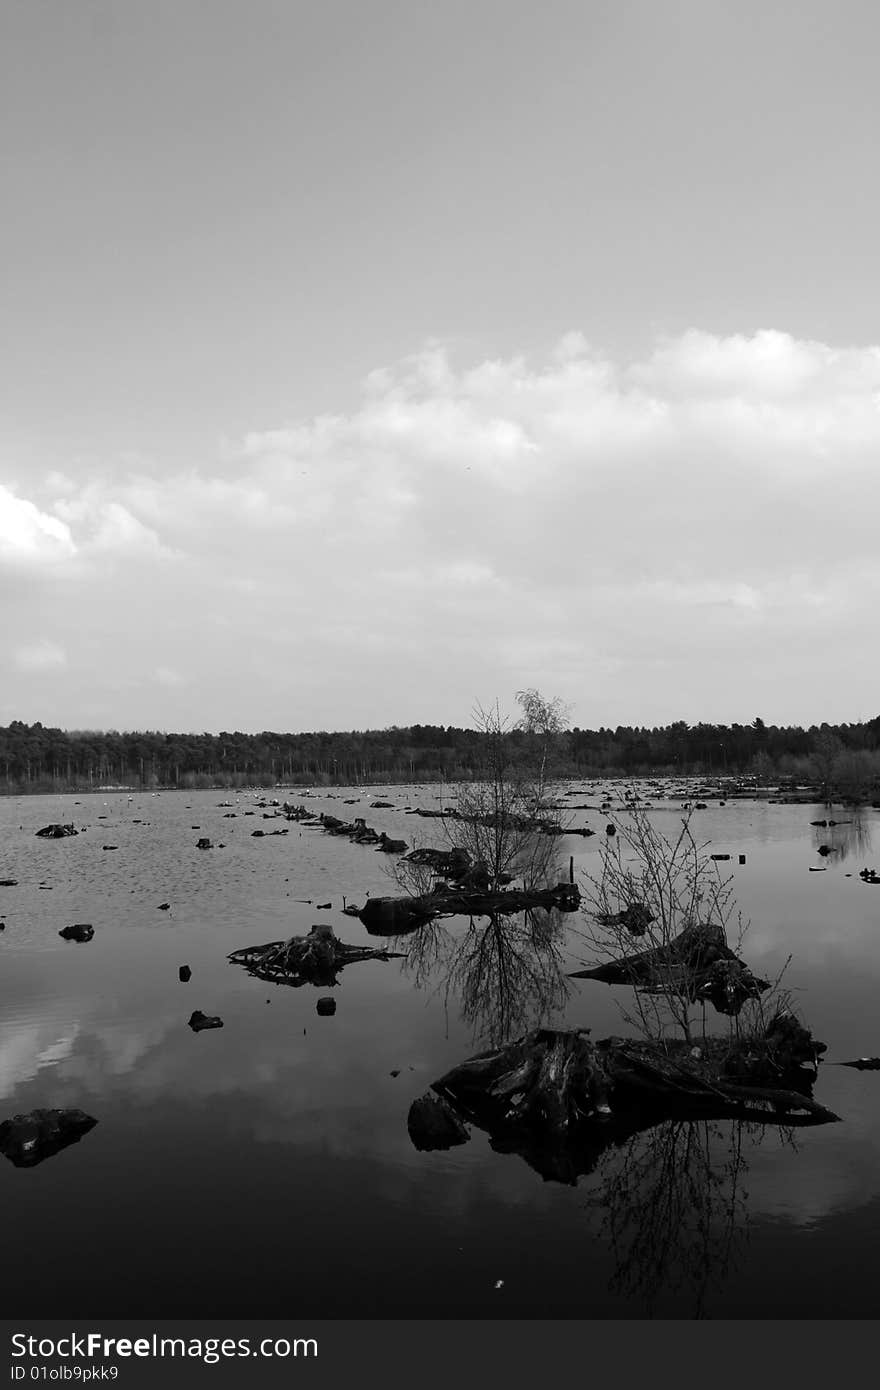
(265, 1168)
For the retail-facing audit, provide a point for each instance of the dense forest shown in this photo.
(34, 758)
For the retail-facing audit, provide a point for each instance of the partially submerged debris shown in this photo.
(199, 1021)
(80, 931)
(698, 963)
(315, 959)
(863, 1064)
(56, 832)
(433, 1124)
(636, 918)
(27, 1140)
(553, 1089)
(394, 916)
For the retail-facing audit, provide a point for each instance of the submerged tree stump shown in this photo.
(552, 1086)
(314, 959)
(698, 964)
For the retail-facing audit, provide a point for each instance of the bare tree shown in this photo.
(662, 909)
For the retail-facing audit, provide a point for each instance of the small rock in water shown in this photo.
(184, 974)
(198, 1021)
(80, 931)
(325, 1006)
(27, 1140)
(163, 907)
(204, 844)
(433, 1124)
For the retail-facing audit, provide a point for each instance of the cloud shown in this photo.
(684, 523)
(165, 675)
(40, 656)
(30, 537)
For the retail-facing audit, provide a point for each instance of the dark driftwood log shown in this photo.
(394, 916)
(314, 959)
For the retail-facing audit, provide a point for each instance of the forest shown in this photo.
(34, 758)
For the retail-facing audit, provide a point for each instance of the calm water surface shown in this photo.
(265, 1168)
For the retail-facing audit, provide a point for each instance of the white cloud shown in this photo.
(166, 675)
(40, 656)
(559, 523)
(29, 536)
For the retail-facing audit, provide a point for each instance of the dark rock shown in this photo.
(325, 1006)
(27, 1140)
(452, 863)
(204, 844)
(387, 846)
(198, 1021)
(109, 846)
(433, 1124)
(184, 974)
(8, 882)
(636, 918)
(163, 907)
(80, 931)
(610, 829)
(719, 856)
(257, 834)
(56, 832)
(381, 805)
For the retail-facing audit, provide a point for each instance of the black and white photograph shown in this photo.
(440, 673)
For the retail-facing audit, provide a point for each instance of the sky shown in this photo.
(364, 360)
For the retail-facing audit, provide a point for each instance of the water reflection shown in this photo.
(672, 1209)
(840, 840)
(508, 973)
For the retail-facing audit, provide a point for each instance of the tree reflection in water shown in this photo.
(846, 838)
(506, 972)
(673, 1209)
(667, 1195)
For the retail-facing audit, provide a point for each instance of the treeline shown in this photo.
(34, 758)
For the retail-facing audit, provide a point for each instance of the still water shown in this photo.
(265, 1168)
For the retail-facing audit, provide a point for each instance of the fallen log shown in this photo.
(315, 959)
(395, 916)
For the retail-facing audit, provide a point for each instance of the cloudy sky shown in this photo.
(364, 359)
